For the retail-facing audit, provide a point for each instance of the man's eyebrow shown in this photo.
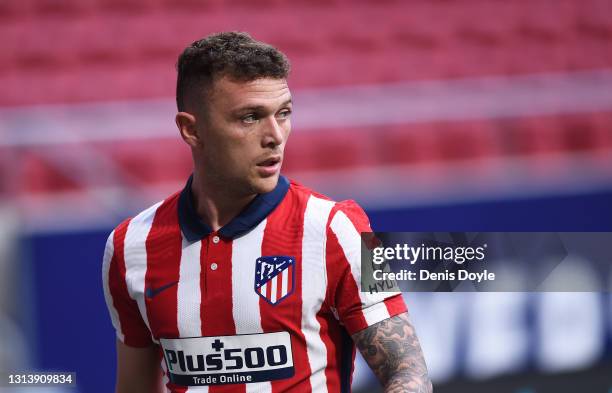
(259, 108)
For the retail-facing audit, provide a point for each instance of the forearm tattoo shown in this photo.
(393, 352)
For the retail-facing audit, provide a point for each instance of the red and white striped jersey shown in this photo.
(265, 304)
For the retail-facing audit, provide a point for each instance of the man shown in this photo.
(244, 281)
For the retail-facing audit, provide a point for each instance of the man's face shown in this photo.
(243, 133)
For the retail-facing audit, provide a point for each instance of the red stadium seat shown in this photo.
(73, 51)
(396, 42)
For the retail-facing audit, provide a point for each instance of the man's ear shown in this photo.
(186, 123)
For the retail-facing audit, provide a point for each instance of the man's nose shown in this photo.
(274, 134)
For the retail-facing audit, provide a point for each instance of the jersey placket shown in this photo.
(216, 311)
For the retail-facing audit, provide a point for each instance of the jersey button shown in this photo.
(215, 239)
(213, 266)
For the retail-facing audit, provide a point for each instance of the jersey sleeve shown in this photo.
(355, 309)
(124, 313)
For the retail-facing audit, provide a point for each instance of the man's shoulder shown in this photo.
(348, 207)
(140, 224)
(304, 192)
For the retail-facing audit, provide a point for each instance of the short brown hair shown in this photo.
(233, 54)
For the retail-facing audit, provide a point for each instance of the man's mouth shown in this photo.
(270, 162)
(269, 166)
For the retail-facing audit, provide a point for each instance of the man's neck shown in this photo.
(215, 204)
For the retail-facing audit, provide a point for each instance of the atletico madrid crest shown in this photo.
(274, 277)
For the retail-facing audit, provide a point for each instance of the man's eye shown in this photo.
(251, 118)
(285, 113)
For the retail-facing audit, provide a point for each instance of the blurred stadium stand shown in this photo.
(435, 115)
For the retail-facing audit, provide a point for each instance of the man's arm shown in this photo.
(137, 369)
(393, 352)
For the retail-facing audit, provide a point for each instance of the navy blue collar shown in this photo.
(194, 228)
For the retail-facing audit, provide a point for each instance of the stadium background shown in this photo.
(434, 115)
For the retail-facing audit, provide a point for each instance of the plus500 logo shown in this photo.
(227, 359)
